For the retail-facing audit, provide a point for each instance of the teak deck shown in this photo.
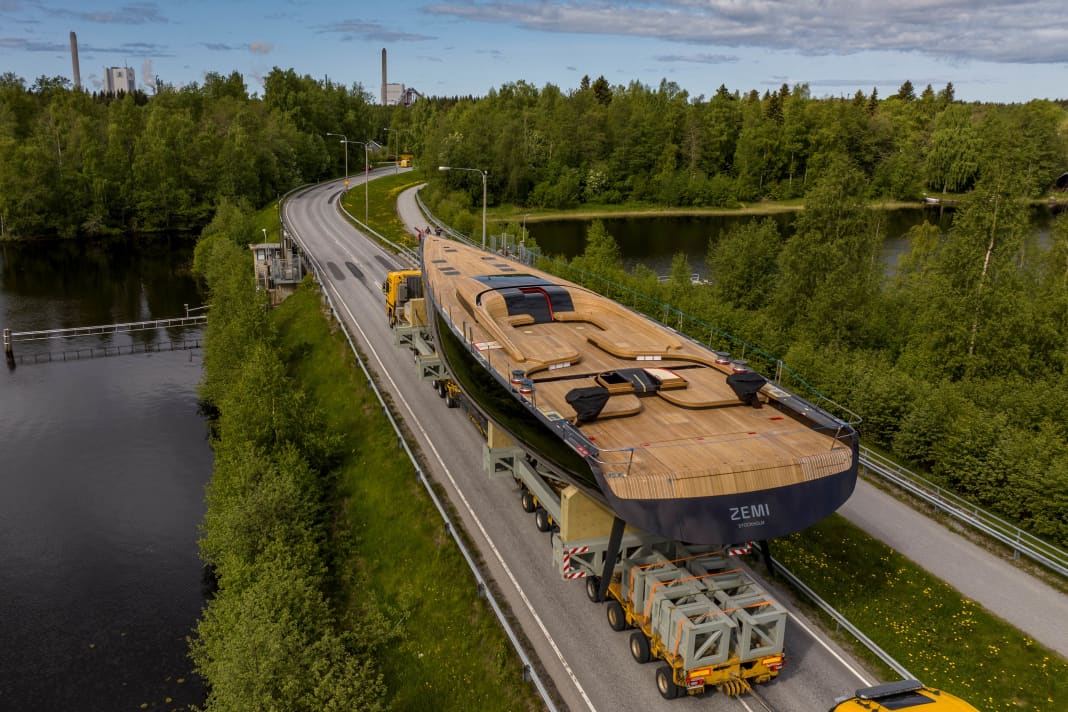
(691, 437)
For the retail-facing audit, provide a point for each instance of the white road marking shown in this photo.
(500, 559)
(835, 655)
(467, 505)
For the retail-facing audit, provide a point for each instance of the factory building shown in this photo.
(119, 80)
(394, 94)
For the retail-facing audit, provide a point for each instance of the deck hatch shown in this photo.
(537, 301)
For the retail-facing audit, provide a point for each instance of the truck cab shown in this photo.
(400, 287)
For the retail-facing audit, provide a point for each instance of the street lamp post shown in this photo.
(483, 174)
(344, 140)
(365, 176)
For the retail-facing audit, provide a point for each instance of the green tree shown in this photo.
(743, 263)
(953, 158)
(794, 139)
(757, 156)
(964, 311)
(115, 194)
(602, 91)
(239, 315)
(257, 496)
(267, 641)
(601, 255)
(1051, 322)
(232, 86)
(829, 269)
(722, 124)
(164, 194)
(680, 281)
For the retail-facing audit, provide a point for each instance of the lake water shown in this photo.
(102, 476)
(654, 241)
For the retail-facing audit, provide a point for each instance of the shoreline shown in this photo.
(514, 214)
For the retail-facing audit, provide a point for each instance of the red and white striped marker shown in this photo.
(741, 550)
(568, 573)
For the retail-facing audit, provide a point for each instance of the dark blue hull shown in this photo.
(720, 520)
(736, 518)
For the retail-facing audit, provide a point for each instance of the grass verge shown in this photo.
(450, 653)
(948, 641)
(382, 205)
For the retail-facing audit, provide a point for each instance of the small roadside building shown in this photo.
(278, 271)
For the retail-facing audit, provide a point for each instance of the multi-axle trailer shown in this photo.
(697, 611)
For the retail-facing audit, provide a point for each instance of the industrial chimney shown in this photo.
(383, 76)
(74, 60)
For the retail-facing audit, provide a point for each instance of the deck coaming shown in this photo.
(690, 442)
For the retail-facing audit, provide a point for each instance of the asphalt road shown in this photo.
(1034, 607)
(1027, 603)
(589, 664)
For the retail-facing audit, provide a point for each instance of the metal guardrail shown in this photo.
(1021, 542)
(10, 338)
(671, 317)
(411, 255)
(454, 234)
(529, 671)
(102, 351)
(842, 621)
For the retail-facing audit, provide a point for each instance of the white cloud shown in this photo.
(1024, 31)
(139, 13)
(351, 29)
(698, 58)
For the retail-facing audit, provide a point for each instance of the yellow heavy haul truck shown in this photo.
(406, 312)
(404, 297)
(708, 621)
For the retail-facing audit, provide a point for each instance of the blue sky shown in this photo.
(1006, 51)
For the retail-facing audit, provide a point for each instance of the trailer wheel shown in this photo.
(450, 401)
(617, 619)
(639, 647)
(593, 587)
(439, 386)
(665, 683)
(528, 502)
(541, 520)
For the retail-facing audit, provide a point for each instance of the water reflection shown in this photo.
(104, 466)
(654, 241)
(65, 283)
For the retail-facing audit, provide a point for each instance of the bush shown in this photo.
(270, 638)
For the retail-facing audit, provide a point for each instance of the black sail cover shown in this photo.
(745, 385)
(587, 402)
